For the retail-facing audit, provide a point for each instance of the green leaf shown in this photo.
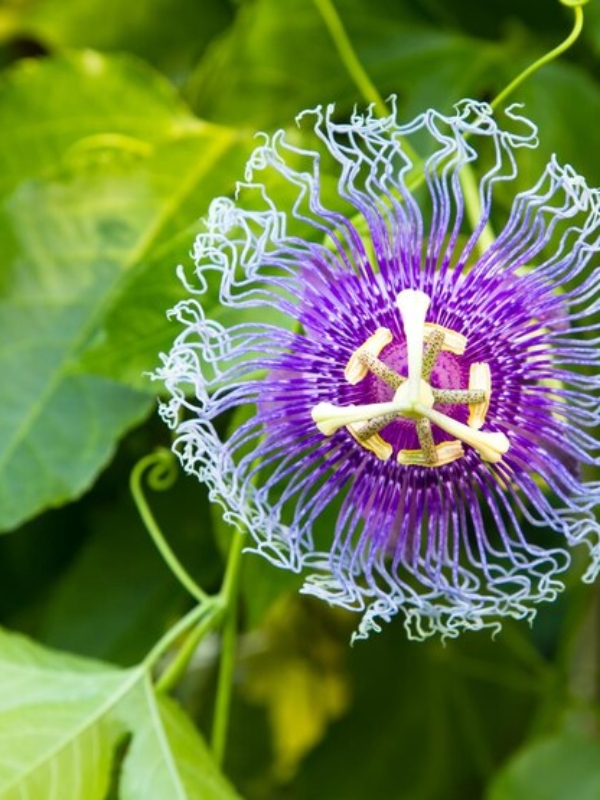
(564, 766)
(167, 758)
(52, 105)
(61, 718)
(56, 738)
(193, 170)
(96, 181)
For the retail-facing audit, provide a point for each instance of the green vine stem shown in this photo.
(191, 619)
(353, 66)
(161, 474)
(209, 621)
(211, 611)
(228, 648)
(348, 56)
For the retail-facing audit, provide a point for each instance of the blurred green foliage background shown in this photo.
(118, 124)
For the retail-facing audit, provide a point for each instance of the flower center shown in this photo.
(414, 399)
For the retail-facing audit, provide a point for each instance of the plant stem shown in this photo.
(172, 675)
(348, 56)
(180, 627)
(161, 475)
(228, 649)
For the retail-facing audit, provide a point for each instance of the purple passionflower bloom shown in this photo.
(410, 404)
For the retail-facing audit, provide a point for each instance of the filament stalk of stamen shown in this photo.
(433, 348)
(458, 396)
(380, 370)
(364, 430)
(413, 305)
(490, 446)
(425, 436)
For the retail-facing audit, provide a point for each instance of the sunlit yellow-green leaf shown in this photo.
(62, 717)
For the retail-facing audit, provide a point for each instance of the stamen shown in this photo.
(480, 380)
(490, 446)
(374, 443)
(329, 418)
(434, 347)
(356, 370)
(413, 305)
(425, 435)
(453, 342)
(445, 453)
(380, 370)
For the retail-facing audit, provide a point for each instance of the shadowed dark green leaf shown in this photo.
(118, 595)
(279, 59)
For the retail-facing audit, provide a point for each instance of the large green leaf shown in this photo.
(136, 327)
(102, 168)
(61, 718)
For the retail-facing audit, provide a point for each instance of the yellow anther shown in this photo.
(453, 342)
(356, 370)
(375, 444)
(446, 452)
(480, 378)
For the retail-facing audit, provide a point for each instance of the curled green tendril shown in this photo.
(161, 472)
(576, 5)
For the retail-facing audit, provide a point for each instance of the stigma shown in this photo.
(413, 398)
